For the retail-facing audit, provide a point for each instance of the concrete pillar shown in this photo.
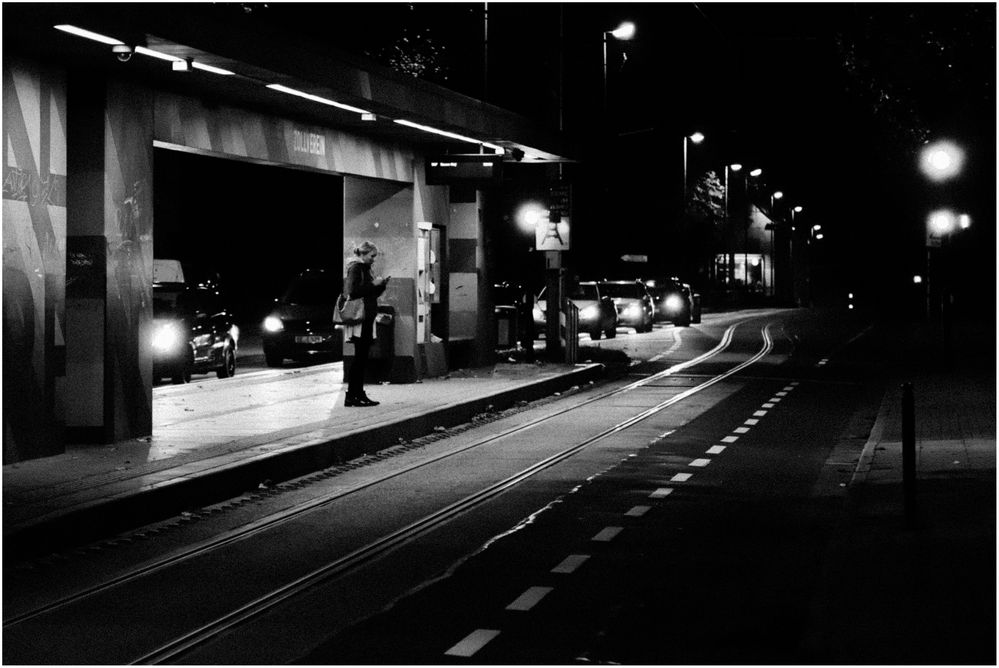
(109, 261)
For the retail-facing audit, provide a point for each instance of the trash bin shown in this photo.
(506, 327)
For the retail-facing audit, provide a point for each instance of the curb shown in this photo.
(101, 518)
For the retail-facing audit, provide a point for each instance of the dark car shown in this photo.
(193, 332)
(300, 325)
(633, 302)
(597, 315)
(675, 301)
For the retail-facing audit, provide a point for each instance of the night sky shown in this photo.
(833, 101)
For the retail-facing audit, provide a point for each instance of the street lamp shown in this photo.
(941, 161)
(695, 138)
(734, 167)
(745, 241)
(623, 32)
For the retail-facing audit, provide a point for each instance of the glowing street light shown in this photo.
(941, 161)
(623, 32)
(695, 138)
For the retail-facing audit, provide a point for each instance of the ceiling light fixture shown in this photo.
(211, 68)
(452, 135)
(316, 98)
(80, 32)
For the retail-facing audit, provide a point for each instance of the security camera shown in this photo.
(123, 51)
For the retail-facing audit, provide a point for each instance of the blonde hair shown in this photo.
(364, 247)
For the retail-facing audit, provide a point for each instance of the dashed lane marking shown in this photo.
(661, 493)
(752, 422)
(741, 430)
(716, 449)
(638, 511)
(529, 599)
(782, 393)
(607, 534)
(472, 643)
(571, 563)
(730, 439)
(759, 413)
(682, 477)
(768, 405)
(700, 463)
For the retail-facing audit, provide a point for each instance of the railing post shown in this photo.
(909, 453)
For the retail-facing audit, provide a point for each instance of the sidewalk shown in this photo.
(924, 591)
(215, 440)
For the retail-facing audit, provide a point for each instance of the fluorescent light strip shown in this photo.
(452, 135)
(211, 68)
(80, 32)
(156, 54)
(315, 98)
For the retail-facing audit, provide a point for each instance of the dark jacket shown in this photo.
(358, 282)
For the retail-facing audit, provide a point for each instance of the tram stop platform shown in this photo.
(213, 440)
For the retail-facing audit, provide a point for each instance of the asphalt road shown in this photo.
(676, 514)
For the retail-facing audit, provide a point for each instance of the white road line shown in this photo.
(782, 393)
(472, 643)
(730, 439)
(769, 404)
(681, 477)
(700, 463)
(638, 511)
(529, 599)
(788, 388)
(752, 422)
(716, 449)
(571, 563)
(775, 400)
(608, 534)
(661, 493)
(795, 383)
(741, 430)
(759, 413)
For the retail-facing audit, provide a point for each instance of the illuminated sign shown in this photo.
(552, 236)
(457, 169)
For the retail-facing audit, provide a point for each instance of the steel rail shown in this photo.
(287, 515)
(180, 646)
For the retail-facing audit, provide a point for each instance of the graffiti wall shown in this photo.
(34, 259)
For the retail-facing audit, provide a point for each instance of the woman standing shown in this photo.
(358, 282)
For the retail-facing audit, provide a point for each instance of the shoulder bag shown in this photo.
(348, 311)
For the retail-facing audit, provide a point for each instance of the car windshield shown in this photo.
(584, 291)
(622, 290)
(165, 299)
(311, 289)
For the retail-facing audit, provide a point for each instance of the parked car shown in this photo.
(300, 325)
(675, 301)
(597, 315)
(193, 331)
(633, 303)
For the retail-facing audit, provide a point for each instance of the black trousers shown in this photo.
(355, 376)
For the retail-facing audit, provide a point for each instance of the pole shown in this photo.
(909, 453)
(485, 50)
(683, 200)
(605, 75)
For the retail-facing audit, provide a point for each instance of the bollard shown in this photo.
(909, 453)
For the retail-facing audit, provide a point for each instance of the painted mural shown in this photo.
(34, 259)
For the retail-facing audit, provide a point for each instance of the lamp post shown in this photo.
(695, 138)
(625, 31)
(734, 167)
(745, 241)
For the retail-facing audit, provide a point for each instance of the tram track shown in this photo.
(183, 644)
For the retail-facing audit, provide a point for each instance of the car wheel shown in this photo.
(228, 368)
(611, 333)
(183, 375)
(595, 334)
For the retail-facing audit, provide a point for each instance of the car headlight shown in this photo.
(538, 313)
(589, 312)
(273, 324)
(674, 303)
(166, 337)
